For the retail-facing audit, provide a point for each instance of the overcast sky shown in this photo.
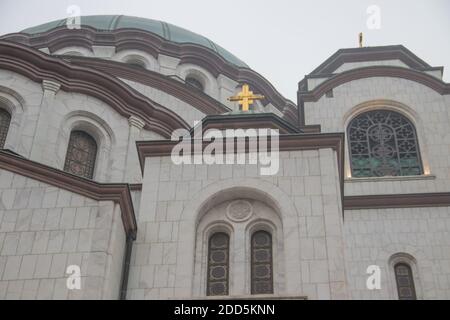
(281, 39)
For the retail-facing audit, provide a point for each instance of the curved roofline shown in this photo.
(126, 101)
(182, 91)
(364, 54)
(125, 39)
(162, 29)
(314, 95)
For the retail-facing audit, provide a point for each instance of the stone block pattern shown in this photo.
(373, 236)
(163, 255)
(44, 229)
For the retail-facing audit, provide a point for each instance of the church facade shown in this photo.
(94, 206)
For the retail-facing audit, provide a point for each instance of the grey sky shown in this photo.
(284, 39)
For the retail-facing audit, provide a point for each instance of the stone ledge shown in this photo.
(391, 178)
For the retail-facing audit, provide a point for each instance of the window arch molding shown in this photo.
(98, 130)
(74, 51)
(263, 218)
(250, 188)
(14, 104)
(208, 81)
(408, 259)
(388, 105)
(132, 56)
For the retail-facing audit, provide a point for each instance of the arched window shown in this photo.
(5, 119)
(81, 155)
(383, 143)
(218, 264)
(261, 263)
(405, 281)
(195, 83)
(136, 63)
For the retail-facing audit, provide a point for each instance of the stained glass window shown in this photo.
(405, 282)
(218, 264)
(383, 143)
(81, 155)
(5, 119)
(261, 263)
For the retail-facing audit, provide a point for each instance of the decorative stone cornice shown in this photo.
(136, 122)
(126, 101)
(287, 142)
(379, 53)
(116, 192)
(173, 86)
(135, 39)
(303, 95)
(52, 86)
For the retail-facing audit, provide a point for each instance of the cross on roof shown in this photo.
(246, 97)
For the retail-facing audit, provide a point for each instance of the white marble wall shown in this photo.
(44, 229)
(305, 194)
(372, 237)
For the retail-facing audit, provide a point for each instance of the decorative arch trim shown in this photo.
(126, 101)
(314, 95)
(199, 100)
(128, 38)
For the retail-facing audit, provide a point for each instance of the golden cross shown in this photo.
(246, 97)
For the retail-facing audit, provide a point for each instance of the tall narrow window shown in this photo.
(81, 155)
(405, 281)
(218, 264)
(261, 263)
(5, 119)
(383, 143)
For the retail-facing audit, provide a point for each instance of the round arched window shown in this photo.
(383, 143)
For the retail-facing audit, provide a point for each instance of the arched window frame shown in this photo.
(99, 130)
(5, 121)
(384, 106)
(74, 51)
(208, 81)
(13, 103)
(267, 214)
(134, 56)
(253, 263)
(408, 259)
(93, 153)
(210, 264)
(274, 228)
(410, 277)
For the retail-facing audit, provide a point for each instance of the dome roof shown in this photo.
(165, 30)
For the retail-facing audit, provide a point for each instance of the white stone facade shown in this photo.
(45, 229)
(321, 250)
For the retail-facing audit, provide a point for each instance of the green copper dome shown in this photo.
(163, 29)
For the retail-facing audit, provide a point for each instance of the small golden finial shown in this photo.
(360, 39)
(246, 97)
